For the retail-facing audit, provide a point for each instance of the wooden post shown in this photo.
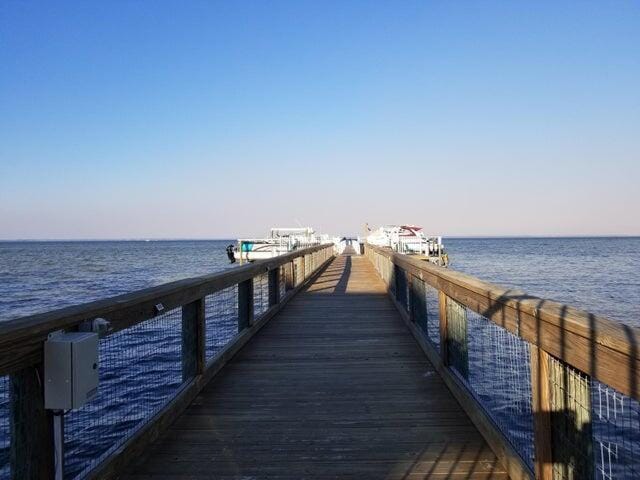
(442, 297)
(295, 271)
(400, 286)
(392, 278)
(410, 300)
(245, 304)
(418, 302)
(572, 429)
(32, 454)
(288, 276)
(274, 286)
(193, 339)
(541, 412)
(457, 348)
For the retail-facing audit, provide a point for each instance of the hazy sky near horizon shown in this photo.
(222, 119)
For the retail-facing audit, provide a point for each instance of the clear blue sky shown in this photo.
(210, 119)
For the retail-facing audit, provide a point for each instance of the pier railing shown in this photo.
(163, 344)
(554, 390)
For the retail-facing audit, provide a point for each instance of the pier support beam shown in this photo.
(457, 348)
(541, 395)
(289, 281)
(32, 453)
(274, 286)
(245, 304)
(418, 301)
(400, 286)
(444, 335)
(193, 339)
(572, 427)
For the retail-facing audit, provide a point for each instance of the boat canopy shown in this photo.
(287, 232)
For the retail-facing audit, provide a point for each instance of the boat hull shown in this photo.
(252, 252)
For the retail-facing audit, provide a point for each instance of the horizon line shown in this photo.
(205, 239)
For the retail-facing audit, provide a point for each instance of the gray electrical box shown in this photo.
(70, 369)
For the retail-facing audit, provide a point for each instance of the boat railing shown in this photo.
(554, 390)
(425, 246)
(162, 346)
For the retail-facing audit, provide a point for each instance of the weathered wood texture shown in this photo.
(334, 386)
(274, 286)
(245, 304)
(541, 395)
(21, 339)
(606, 350)
(31, 449)
(113, 465)
(510, 459)
(193, 338)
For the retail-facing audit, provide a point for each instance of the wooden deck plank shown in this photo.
(333, 387)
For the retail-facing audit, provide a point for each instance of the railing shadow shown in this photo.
(582, 352)
(570, 435)
(341, 286)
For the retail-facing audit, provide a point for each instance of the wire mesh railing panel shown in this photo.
(221, 319)
(140, 370)
(375, 259)
(21, 454)
(381, 265)
(616, 433)
(457, 349)
(401, 290)
(282, 283)
(425, 310)
(594, 429)
(433, 315)
(298, 272)
(499, 378)
(417, 303)
(294, 273)
(386, 270)
(260, 294)
(571, 426)
(391, 272)
(5, 430)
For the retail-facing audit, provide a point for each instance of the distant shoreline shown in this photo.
(453, 237)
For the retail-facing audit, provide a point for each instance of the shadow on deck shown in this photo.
(335, 386)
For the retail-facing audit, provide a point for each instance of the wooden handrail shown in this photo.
(567, 349)
(21, 339)
(606, 350)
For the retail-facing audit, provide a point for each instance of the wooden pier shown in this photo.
(317, 365)
(334, 386)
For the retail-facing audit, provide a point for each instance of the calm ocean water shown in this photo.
(601, 275)
(41, 276)
(140, 368)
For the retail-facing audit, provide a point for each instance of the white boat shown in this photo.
(410, 240)
(280, 241)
